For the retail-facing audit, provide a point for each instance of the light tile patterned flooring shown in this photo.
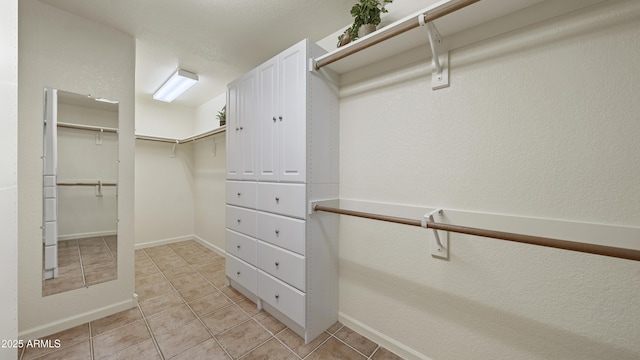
(83, 262)
(187, 312)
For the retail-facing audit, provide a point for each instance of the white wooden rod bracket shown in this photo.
(440, 55)
(173, 150)
(99, 137)
(99, 189)
(439, 243)
(334, 202)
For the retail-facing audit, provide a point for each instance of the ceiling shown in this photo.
(217, 39)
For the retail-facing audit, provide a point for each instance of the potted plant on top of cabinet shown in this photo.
(366, 16)
(222, 116)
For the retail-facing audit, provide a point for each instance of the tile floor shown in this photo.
(83, 262)
(186, 311)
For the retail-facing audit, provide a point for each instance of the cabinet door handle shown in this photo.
(277, 199)
(238, 246)
(239, 194)
(277, 296)
(277, 263)
(239, 221)
(241, 128)
(280, 117)
(238, 272)
(237, 129)
(274, 119)
(277, 232)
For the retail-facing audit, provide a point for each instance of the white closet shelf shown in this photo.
(472, 15)
(185, 140)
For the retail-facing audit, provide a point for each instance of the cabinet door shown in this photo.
(247, 131)
(233, 128)
(293, 109)
(267, 120)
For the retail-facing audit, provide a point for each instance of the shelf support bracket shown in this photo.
(440, 56)
(173, 150)
(439, 243)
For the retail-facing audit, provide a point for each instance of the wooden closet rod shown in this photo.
(86, 183)
(616, 252)
(398, 29)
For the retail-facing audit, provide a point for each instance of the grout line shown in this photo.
(91, 342)
(153, 337)
(285, 345)
(374, 352)
(356, 350)
(318, 347)
(187, 304)
(84, 281)
(115, 258)
(233, 302)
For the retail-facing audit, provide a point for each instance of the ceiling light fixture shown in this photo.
(178, 83)
(106, 100)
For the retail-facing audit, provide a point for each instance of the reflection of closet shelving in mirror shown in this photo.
(81, 156)
(87, 127)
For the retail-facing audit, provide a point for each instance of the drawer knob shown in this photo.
(280, 117)
(238, 246)
(277, 231)
(239, 194)
(238, 272)
(274, 119)
(277, 199)
(277, 263)
(277, 296)
(239, 221)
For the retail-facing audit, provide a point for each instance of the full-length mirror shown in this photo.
(80, 189)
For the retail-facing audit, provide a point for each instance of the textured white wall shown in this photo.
(164, 184)
(206, 114)
(164, 192)
(157, 118)
(539, 122)
(63, 51)
(8, 175)
(168, 188)
(209, 186)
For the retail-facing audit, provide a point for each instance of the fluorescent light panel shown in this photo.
(106, 100)
(178, 83)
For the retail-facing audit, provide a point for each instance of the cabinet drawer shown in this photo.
(242, 273)
(241, 193)
(285, 199)
(283, 264)
(286, 232)
(283, 297)
(241, 220)
(242, 246)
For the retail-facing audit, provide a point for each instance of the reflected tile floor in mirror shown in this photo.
(84, 262)
(186, 311)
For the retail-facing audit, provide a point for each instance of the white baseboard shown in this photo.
(383, 340)
(221, 252)
(64, 324)
(86, 235)
(197, 238)
(164, 241)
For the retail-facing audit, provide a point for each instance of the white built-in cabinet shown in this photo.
(281, 116)
(278, 254)
(241, 127)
